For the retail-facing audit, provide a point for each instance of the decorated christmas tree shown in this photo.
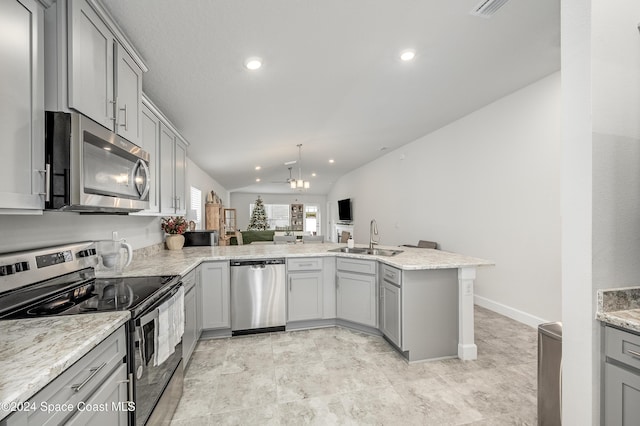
(258, 220)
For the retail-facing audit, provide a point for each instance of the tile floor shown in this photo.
(338, 376)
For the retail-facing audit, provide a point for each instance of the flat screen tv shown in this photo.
(344, 209)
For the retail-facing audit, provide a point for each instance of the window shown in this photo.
(277, 215)
(312, 219)
(195, 212)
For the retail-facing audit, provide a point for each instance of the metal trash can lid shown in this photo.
(551, 329)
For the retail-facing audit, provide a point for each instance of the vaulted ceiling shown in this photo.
(331, 79)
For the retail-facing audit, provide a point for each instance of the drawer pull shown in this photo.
(305, 264)
(633, 353)
(94, 371)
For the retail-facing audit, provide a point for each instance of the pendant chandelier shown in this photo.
(299, 183)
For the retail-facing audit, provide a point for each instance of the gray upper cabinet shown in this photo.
(91, 76)
(180, 172)
(150, 142)
(128, 95)
(21, 107)
(168, 165)
(173, 167)
(92, 68)
(105, 82)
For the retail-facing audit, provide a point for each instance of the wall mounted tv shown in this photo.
(344, 210)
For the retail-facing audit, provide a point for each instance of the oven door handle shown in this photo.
(141, 344)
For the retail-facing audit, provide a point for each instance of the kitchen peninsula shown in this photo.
(429, 277)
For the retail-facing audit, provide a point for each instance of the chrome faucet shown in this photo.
(373, 230)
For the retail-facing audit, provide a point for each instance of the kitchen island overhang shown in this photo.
(461, 276)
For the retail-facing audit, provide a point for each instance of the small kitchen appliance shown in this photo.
(92, 169)
(113, 257)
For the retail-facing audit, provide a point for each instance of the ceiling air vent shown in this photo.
(486, 8)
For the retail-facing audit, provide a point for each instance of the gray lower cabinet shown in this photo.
(305, 289)
(356, 285)
(94, 390)
(107, 406)
(21, 106)
(621, 378)
(191, 334)
(215, 301)
(390, 317)
(199, 326)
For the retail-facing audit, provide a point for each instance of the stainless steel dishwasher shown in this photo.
(258, 292)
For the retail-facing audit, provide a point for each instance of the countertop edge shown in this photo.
(184, 261)
(615, 319)
(44, 376)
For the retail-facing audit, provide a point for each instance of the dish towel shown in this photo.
(177, 329)
(164, 349)
(170, 326)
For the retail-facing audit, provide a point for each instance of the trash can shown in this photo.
(550, 374)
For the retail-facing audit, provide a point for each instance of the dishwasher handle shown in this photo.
(257, 262)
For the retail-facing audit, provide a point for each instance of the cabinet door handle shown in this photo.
(113, 109)
(94, 371)
(633, 353)
(289, 285)
(47, 181)
(126, 118)
(130, 387)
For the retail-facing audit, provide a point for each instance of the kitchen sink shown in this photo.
(363, 250)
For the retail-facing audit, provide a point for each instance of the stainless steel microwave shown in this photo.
(91, 169)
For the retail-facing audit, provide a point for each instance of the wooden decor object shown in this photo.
(212, 216)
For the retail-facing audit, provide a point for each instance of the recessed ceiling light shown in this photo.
(253, 63)
(258, 167)
(407, 55)
(257, 179)
(331, 161)
(313, 174)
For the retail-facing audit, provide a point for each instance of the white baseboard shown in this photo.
(508, 311)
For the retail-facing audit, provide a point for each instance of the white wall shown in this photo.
(242, 200)
(196, 177)
(54, 228)
(601, 206)
(487, 185)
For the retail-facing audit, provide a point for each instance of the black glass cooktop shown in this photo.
(79, 293)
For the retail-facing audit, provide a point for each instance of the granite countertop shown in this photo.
(33, 352)
(173, 262)
(620, 307)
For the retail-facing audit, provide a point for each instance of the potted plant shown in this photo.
(174, 227)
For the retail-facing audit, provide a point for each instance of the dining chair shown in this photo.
(284, 239)
(312, 239)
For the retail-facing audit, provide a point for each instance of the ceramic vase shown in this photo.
(175, 241)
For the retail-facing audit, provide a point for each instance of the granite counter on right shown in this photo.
(619, 313)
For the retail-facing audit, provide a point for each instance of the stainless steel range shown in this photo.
(61, 281)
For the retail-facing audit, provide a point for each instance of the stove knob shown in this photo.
(21, 266)
(6, 270)
(86, 253)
